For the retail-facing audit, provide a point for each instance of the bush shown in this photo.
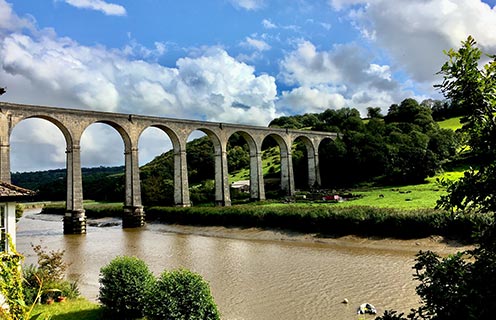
(124, 286)
(181, 294)
(11, 288)
(48, 277)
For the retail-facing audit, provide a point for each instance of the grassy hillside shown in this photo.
(452, 123)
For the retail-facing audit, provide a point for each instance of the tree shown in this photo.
(463, 286)
(474, 89)
(374, 112)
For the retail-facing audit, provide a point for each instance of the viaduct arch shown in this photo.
(73, 122)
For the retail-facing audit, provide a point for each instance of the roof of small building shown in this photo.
(240, 183)
(8, 190)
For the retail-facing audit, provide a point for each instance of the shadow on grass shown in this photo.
(76, 315)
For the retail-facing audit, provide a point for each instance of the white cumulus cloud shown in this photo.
(256, 44)
(344, 76)
(248, 4)
(110, 9)
(415, 33)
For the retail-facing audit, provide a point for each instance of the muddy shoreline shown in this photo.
(436, 243)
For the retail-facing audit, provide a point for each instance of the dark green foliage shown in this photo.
(406, 146)
(296, 122)
(129, 291)
(391, 315)
(238, 157)
(11, 284)
(374, 113)
(157, 180)
(328, 220)
(91, 211)
(181, 295)
(300, 165)
(203, 193)
(200, 157)
(463, 286)
(99, 183)
(124, 286)
(472, 88)
(442, 110)
(48, 275)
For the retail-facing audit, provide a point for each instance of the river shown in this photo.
(253, 274)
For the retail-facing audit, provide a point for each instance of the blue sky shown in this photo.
(240, 61)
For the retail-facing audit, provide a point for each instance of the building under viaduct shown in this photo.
(72, 123)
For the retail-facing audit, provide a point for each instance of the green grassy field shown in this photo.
(269, 160)
(420, 196)
(452, 123)
(69, 310)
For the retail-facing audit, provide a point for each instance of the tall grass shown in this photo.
(329, 220)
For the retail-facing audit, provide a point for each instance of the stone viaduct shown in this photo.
(72, 123)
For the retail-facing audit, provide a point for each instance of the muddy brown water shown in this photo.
(253, 274)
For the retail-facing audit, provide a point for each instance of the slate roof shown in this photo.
(8, 190)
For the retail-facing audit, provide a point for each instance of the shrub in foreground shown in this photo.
(12, 301)
(124, 286)
(47, 278)
(180, 295)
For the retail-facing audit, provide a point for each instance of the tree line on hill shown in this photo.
(403, 147)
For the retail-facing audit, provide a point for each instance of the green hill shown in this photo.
(452, 123)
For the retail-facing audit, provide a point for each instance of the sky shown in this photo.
(235, 61)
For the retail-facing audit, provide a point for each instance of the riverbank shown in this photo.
(325, 220)
(440, 244)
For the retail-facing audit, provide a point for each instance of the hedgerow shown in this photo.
(319, 218)
(359, 220)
